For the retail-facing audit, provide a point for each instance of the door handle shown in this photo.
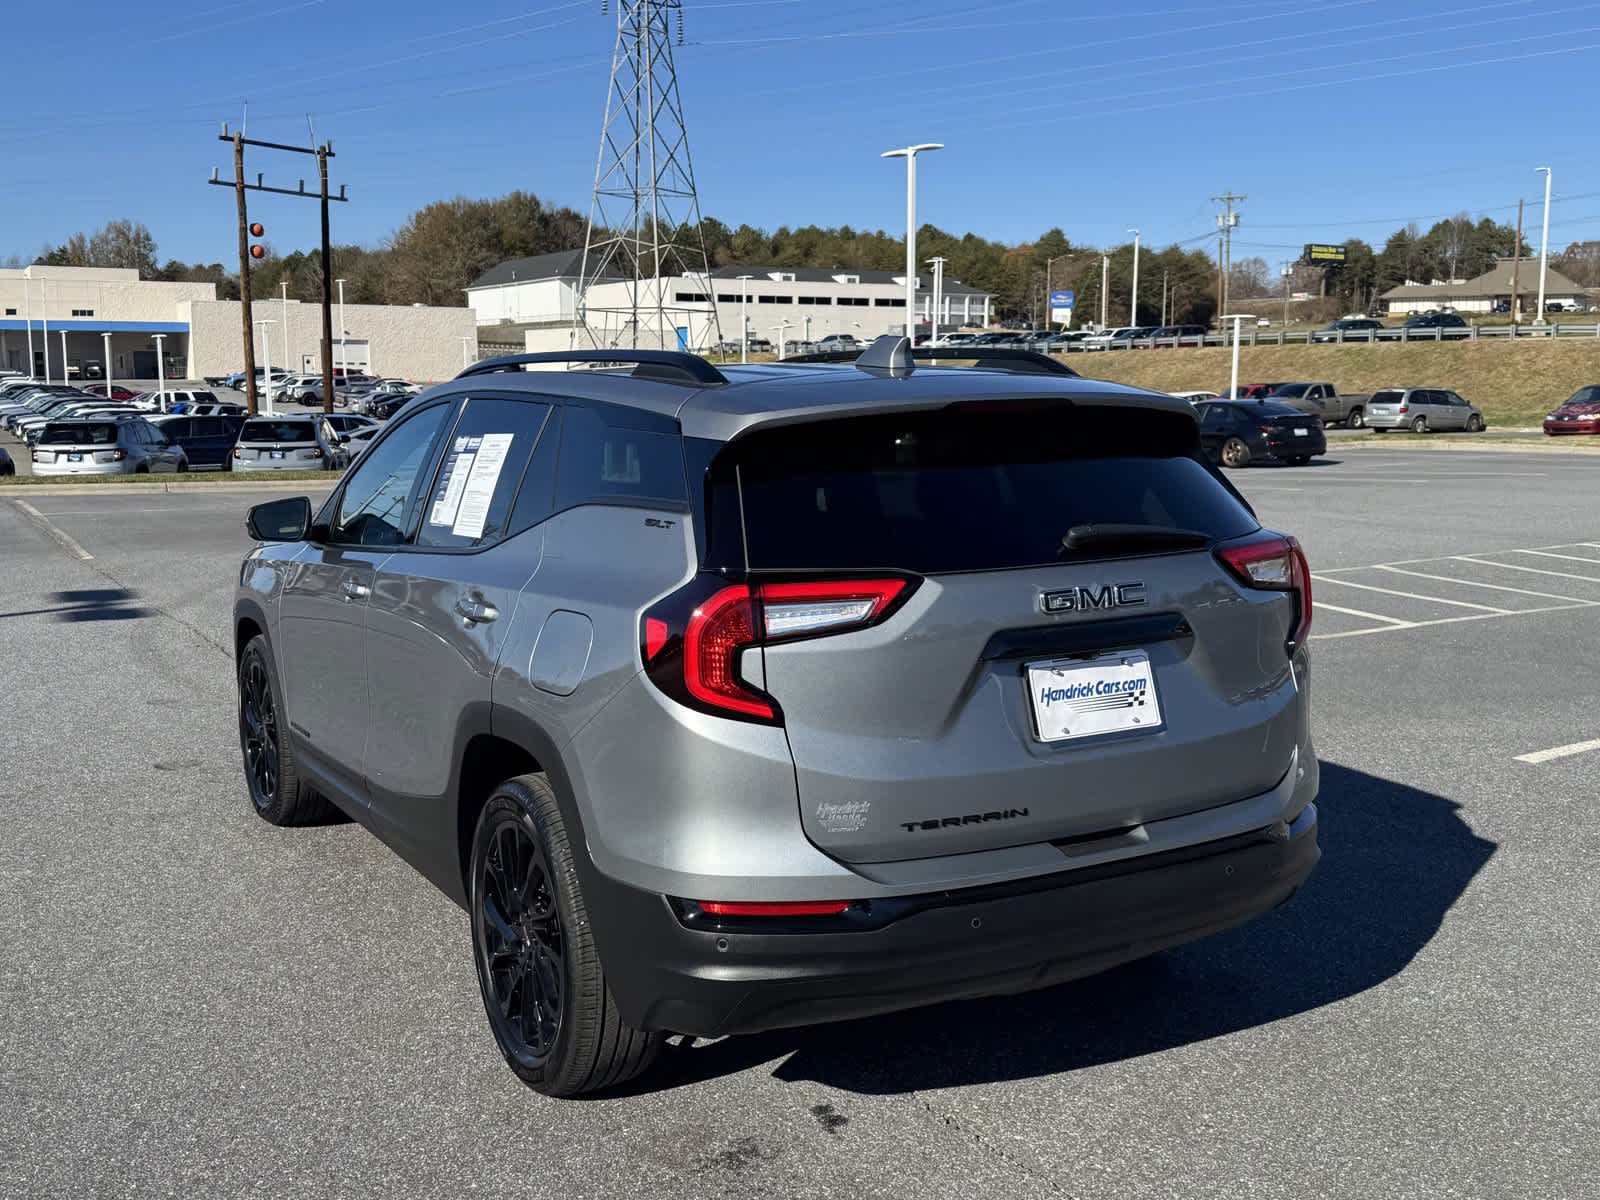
(476, 611)
(351, 590)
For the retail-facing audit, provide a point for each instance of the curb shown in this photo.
(1437, 443)
(22, 492)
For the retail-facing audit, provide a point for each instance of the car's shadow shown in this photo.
(1395, 860)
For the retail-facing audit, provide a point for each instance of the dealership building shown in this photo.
(533, 302)
(60, 322)
(1494, 287)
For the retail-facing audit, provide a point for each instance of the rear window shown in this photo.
(278, 431)
(958, 490)
(1389, 396)
(79, 435)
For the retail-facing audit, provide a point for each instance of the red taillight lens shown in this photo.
(691, 641)
(718, 629)
(1274, 562)
(237, 453)
(118, 455)
(1404, 408)
(777, 908)
(1266, 427)
(36, 456)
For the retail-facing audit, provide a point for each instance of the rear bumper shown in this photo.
(952, 945)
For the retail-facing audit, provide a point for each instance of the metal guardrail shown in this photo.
(1360, 337)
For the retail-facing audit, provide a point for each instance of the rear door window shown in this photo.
(471, 499)
(603, 463)
(958, 490)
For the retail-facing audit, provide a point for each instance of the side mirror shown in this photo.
(280, 520)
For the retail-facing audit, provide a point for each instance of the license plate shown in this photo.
(1300, 432)
(1113, 692)
(276, 453)
(74, 458)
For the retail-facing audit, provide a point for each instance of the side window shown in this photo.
(372, 507)
(181, 428)
(1213, 416)
(603, 464)
(470, 504)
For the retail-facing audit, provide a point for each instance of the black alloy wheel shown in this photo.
(258, 732)
(521, 945)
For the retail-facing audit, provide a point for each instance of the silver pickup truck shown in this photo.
(1325, 401)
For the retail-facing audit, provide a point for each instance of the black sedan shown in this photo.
(7, 467)
(1238, 432)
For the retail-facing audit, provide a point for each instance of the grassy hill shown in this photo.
(1515, 383)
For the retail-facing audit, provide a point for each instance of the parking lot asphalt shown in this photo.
(199, 1004)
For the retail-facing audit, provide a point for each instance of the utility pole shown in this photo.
(1164, 297)
(937, 264)
(1516, 271)
(1287, 272)
(1226, 220)
(322, 154)
(1133, 303)
(244, 276)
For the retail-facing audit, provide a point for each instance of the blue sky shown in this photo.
(1339, 118)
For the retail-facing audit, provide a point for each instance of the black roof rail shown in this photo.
(1022, 362)
(666, 366)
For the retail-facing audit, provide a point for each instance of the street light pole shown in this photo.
(105, 340)
(1544, 244)
(27, 308)
(344, 332)
(44, 319)
(466, 354)
(161, 372)
(1236, 318)
(266, 365)
(1133, 304)
(287, 357)
(937, 264)
(782, 330)
(910, 153)
(744, 320)
(1105, 287)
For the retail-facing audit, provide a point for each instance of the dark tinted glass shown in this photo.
(372, 508)
(603, 464)
(278, 431)
(79, 435)
(959, 490)
(1586, 395)
(181, 428)
(537, 496)
(1387, 396)
(472, 495)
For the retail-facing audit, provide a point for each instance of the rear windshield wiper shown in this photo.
(1104, 536)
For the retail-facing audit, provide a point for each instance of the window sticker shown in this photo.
(481, 479)
(452, 481)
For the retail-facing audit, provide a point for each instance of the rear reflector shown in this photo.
(779, 908)
(655, 637)
(1273, 562)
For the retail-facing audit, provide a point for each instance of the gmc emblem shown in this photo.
(1084, 599)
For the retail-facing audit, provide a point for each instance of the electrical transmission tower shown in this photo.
(644, 248)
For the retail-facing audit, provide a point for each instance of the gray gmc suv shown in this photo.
(727, 699)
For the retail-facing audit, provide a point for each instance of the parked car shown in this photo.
(1253, 391)
(288, 443)
(1236, 433)
(207, 441)
(29, 431)
(1195, 397)
(760, 345)
(1449, 325)
(1325, 401)
(1579, 413)
(1422, 410)
(1178, 331)
(345, 424)
(126, 445)
(220, 409)
(7, 467)
(837, 342)
(386, 405)
(111, 391)
(865, 825)
(183, 401)
(1348, 329)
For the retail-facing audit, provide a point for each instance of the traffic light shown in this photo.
(257, 229)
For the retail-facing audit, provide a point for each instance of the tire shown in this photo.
(1419, 425)
(269, 768)
(183, 466)
(1235, 453)
(546, 945)
(1474, 424)
(1356, 420)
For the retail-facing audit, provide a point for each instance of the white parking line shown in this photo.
(56, 534)
(1583, 558)
(1407, 562)
(1542, 756)
(1367, 587)
(1445, 620)
(1493, 587)
(1356, 612)
(1484, 562)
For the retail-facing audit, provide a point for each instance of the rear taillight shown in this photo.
(1273, 562)
(237, 453)
(314, 452)
(36, 457)
(1404, 408)
(775, 908)
(691, 641)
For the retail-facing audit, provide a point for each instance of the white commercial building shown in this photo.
(535, 301)
(67, 316)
